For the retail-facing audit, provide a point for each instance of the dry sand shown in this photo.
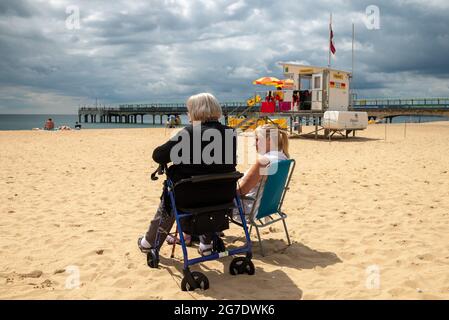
(356, 207)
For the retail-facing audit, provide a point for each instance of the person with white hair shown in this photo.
(186, 151)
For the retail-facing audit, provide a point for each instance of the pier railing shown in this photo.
(402, 103)
(376, 108)
(238, 107)
(228, 107)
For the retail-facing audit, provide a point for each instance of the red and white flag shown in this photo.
(332, 46)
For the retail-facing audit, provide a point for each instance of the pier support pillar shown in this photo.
(161, 119)
(141, 118)
(154, 119)
(291, 124)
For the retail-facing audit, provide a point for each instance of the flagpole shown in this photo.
(352, 72)
(330, 35)
(353, 44)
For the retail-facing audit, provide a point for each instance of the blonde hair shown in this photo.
(203, 107)
(265, 132)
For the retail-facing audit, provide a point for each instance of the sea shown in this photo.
(30, 121)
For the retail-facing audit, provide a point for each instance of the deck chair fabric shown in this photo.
(267, 207)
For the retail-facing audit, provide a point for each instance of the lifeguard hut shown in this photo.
(314, 95)
(322, 89)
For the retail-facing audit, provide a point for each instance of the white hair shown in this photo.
(203, 107)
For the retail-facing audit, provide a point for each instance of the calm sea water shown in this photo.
(29, 121)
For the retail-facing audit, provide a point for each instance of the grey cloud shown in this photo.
(161, 51)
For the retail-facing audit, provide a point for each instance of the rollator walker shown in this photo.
(203, 205)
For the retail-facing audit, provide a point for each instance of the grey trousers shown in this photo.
(163, 222)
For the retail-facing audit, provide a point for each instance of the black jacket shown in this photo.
(195, 155)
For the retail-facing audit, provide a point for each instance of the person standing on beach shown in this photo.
(49, 125)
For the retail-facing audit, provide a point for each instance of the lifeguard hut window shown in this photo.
(317, 82)
(305, 83)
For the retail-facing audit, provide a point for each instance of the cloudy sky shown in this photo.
(156, 50)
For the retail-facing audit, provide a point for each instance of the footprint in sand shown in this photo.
(33, 274)
(46, 284)
(123, 283)
(425, 257)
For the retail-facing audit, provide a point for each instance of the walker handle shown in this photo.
(159, 171)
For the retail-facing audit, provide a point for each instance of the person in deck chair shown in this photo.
(204, 112)
(271, 146)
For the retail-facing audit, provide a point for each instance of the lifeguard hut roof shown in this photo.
(305, 69)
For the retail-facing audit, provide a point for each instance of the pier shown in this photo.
(376, 109)
(390, 108)
(135, 113)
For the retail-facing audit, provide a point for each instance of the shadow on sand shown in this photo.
(263, 285)
(297, 256)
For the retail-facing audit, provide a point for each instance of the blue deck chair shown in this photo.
(267, 207)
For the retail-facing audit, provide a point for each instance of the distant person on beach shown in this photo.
(171, 122)
(49, 125)
(77, 126)
(202, 109)
(295, 100)
(268, 152)
(279, 95)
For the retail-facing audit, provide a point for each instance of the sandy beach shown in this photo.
(369, 219)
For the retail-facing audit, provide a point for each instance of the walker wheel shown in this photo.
(153, 259)
(201, 282)
(241, 265)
